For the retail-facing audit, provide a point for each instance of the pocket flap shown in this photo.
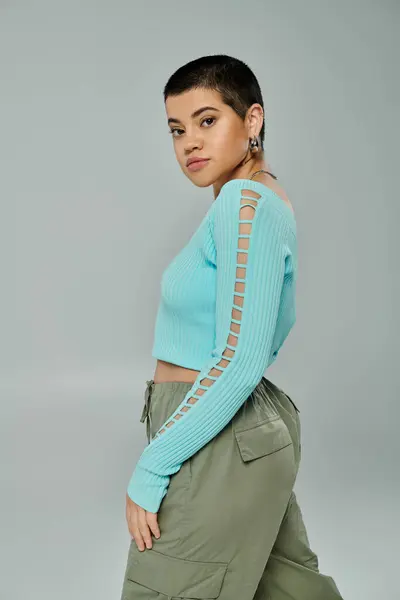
(262, 439)
(176, 576)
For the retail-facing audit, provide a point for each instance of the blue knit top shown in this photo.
(227, 304)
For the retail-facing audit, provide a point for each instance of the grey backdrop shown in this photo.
(94, 206)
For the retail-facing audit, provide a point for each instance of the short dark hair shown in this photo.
(229, 76)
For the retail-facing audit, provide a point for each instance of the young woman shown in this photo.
(210, 505)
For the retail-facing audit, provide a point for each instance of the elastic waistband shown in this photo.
(264, 388)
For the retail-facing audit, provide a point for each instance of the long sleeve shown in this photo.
(251, 243)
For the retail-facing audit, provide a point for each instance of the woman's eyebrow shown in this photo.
(195, 114)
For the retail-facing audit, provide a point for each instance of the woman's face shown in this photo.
(217, 134)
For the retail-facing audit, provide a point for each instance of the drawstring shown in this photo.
(146, 408)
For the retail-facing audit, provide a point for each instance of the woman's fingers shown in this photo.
(140, 524)
(133, 524)
(153, 523)
(143, 527)
(135, 529)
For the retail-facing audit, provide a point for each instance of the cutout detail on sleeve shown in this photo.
(248, 207)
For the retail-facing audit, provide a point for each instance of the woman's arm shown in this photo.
(251, 241)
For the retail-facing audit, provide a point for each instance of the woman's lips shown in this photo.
(198, 164)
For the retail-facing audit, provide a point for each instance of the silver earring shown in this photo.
(254, 145)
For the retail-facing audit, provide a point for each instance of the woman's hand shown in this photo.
(140, 522)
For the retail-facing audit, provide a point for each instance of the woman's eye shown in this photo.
(175, 129)
(172, 131)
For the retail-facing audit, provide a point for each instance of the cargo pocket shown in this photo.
(267, 437)
(152, 573)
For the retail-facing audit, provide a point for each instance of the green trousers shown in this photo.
(230, 524)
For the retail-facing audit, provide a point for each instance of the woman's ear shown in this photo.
(255, 119)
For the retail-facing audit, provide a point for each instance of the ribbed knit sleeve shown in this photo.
(251, 243)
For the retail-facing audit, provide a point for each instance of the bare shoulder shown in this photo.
(275, 187)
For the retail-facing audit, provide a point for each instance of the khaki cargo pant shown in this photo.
(230, 524)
